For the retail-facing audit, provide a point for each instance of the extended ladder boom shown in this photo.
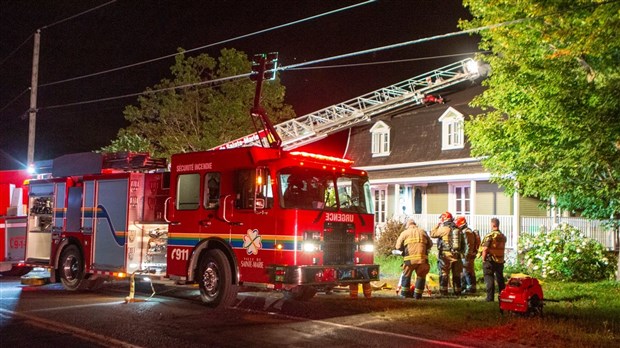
(319, 124)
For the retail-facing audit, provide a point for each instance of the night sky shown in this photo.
(128, 32)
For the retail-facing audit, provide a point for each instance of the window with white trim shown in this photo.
(380, 139)
(380, 198)
(452, 136)
(461, 199)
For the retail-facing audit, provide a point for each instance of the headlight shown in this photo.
(310, 246)
(369, 248)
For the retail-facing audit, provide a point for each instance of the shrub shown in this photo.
(387, 240)
(565, 253)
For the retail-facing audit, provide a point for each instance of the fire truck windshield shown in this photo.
(317, 190)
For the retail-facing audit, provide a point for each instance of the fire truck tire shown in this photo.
(215, 280)
(300, 293)
(71, 268)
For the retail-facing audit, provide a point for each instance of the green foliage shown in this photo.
(387, 241)
(185, 114)
(391, 266)
(564, 253)
(128, 142)
(552, 121)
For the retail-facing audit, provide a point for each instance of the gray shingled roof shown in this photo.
(415, 134)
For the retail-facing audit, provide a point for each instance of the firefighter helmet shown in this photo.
(446, 216)
(460, 221)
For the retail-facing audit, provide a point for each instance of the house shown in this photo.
(419, 163)
(410, 139)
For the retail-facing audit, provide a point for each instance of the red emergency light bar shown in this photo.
(321, 157)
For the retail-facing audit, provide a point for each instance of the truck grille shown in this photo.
(338, 243)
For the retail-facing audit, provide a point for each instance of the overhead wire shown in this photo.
(17, 49)
(326, 59)
(389, 61)
(47, 27)
(77, 15)
(208, 45)
(14, 99)
(53, 24)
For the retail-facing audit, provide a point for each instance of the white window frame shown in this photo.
(380, 144)
(455, 189)
(380, 201)
(452, 135)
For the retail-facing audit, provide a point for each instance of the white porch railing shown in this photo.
(594, 229)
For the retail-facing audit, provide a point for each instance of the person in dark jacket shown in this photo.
(493, 248)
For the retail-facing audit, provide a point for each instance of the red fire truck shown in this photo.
(13, 222)
(252, 217)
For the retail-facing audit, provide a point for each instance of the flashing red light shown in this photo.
(321, 157)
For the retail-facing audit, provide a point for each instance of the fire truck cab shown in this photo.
(251, 217)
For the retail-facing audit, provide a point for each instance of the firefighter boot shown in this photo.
(405, 291)
(367, 289)
(353, 290)
(419, 288)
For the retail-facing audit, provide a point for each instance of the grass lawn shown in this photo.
(575, 314)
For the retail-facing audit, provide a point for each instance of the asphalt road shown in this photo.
(48, 316)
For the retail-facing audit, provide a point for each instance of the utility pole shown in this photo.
(32, 112)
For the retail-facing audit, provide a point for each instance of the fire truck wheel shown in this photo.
(71, 268)
(300, 293)
(215, 280)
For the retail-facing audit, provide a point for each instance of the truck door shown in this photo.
(192, 217)
(43, 206)
(253, 223)
(111, 224)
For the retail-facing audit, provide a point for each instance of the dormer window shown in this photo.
(380, 139)
(452, 136)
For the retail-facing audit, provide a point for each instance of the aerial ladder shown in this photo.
(319, 124)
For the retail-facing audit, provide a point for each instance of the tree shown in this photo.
(551, 126)
(175, 119)
(128, 142)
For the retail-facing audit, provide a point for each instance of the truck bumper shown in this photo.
(323, 275)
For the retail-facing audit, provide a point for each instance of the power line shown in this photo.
(214, 82)
(77, 15)
(15, 50)
(389, 61)
(223, 80)
(14, 99)
(53, 24)
(208, 45)
(342, 56)
(295, 66)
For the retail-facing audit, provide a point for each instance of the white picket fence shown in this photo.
(529, 225)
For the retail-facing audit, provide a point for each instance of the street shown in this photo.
(48, 316)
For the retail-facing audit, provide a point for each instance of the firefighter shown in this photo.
(493, 260)
(354, 289)
(416, 243)
(472, 243)
(450, 243)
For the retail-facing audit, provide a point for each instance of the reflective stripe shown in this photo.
(416, 257)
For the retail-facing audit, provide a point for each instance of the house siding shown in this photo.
(437, 197)
(531, 207)
(491, 200)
